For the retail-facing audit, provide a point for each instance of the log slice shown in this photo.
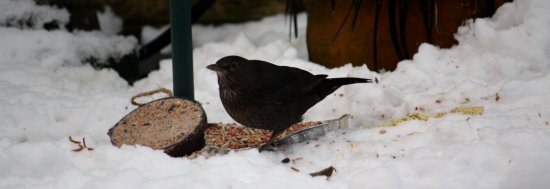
(173, 124)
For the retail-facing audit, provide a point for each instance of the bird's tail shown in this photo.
(346, 81)
(330, 85)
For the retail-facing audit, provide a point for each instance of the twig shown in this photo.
(81, 145)
(80, 148)
(73, 141)
(150, 93)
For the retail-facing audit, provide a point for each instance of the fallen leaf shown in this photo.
(325, 172)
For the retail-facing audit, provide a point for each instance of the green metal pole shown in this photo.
(182, 48)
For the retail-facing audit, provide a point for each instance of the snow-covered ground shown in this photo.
(501, 63)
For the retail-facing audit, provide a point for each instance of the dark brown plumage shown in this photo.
(262, 95)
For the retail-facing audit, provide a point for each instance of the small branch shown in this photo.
(150, 93)
(81, 145)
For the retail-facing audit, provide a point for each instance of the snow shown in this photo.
(109, 22)
(149, 33)
(48, 95)
(26, 14)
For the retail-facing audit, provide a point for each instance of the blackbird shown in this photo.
(262, 95)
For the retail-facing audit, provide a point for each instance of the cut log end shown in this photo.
(175, 125)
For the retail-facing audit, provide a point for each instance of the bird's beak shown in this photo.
(214, 67)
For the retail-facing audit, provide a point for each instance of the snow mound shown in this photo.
(28, 15)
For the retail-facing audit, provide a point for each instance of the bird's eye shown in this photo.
(232, 66)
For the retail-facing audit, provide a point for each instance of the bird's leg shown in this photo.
(269, 143)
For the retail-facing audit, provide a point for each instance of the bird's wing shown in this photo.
(280, 84)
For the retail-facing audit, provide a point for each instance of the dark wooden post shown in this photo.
(182, 48)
